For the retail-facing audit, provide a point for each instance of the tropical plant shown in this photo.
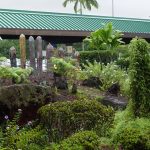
(105, 38)
(86, 4)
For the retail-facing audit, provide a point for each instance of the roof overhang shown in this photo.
(35, 32)
(132, 35)
(59, 35)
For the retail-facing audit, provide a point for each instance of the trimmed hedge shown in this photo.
(83, 140)
(103, 56)
(133, 135)
(62, 119)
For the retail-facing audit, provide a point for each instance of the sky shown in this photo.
(122, 8)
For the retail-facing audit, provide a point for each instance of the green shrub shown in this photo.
(1, 138)
(108, 74)
(61, 66)
(83, 140)
(5, 45)
(113, 74)
(123, 63)
(105, 143)
(140, 77)
(123, 60)
(3, 59)
(133, 134)
(92, 69)
(103, 56)
(27, 137)
(62, 119)
(33, 138)
(18, 75)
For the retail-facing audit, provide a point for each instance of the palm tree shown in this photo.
(86, 4)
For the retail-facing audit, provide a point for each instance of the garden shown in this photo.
(97, 100)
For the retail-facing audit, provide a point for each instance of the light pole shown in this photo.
(112, 8)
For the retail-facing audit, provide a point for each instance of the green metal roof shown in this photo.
(20, 19)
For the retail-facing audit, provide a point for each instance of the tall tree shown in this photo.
(86, 4)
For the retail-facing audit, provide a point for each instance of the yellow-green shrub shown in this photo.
(82, 140)
(132, 134)
(62, 119)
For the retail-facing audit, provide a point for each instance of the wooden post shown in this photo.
(49, 54)
(39, 53)
(22, 42)
(12, 55)
(32, 52)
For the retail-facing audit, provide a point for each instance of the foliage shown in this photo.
(132, 134)
(61, 66)
(105, 143)
(79, 141)
(103, 56)
(113, 74)
(86, 4)
(140, 77)
(92, 69)
(108, 75)
(68, 68)
(2, 59)
(25, 138)
(18, 75)
(62, 119)
(123, 62)
(105, 38)
(123, 59)
(77, 46)
(5, 45)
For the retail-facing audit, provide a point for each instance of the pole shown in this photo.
(112, 8)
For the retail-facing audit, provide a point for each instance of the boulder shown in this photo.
(117, 102)
(92, 82)
(28, 97)
(114, 89)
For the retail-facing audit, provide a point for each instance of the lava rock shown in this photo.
(114, 89)
(92, 82)
(116, 102)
